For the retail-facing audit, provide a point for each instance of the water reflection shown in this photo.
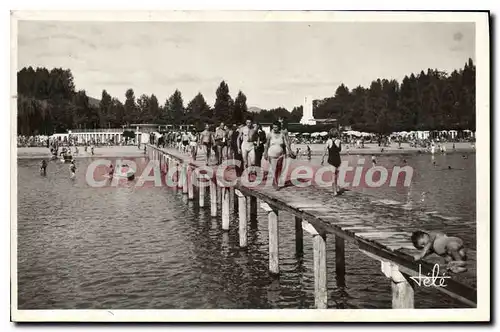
(82, 247)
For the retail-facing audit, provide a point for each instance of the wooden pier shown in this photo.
(379, 235)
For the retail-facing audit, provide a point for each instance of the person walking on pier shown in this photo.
(247, 141)
(220, 139)
(332, 149)
(275, 152)
(193, 144)
(261, 145)
(206, 139)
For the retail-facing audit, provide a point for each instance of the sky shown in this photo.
(275, 64)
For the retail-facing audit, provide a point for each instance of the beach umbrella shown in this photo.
(323, 133)
(314, 134)
(305, 134)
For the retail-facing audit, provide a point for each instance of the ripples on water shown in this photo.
(127, 248)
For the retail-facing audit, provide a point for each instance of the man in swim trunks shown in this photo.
(206, 139)
(450, 247)
(220, 141)
(247, 141)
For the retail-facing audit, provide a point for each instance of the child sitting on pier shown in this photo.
(449, 247)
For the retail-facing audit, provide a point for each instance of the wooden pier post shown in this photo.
(242, 217)
(201, 192)
(225, 208)
(189, 178)
(213, 198)
(273, 238)
(340, 261)
(403, 294)
(179, 176)
(299, 236)
(320, 270)
(184, 179)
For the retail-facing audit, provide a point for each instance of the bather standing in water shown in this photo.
(275, 152)
(43, 167)
(332, 149)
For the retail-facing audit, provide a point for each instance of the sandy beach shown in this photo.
(105, 151)
(374, 149)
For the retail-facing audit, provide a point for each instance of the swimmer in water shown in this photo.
(450, 248)
(332, 149)
(111, 170)
(274, 151)
(72, 169)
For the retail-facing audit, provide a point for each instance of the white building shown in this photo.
(101, 135)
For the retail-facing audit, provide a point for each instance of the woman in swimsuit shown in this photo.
(275, 151)
(332, 149)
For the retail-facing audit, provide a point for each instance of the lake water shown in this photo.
(126, 248)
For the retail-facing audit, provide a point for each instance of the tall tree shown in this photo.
(222, 106)
(130, 115)
(240, 109)
(198, 111)
(175, 107)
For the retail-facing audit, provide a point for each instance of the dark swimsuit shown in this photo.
(334, 155)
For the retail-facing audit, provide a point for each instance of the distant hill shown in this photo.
(254, 109)
(94, 102)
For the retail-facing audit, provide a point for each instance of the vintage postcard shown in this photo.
(205, 166)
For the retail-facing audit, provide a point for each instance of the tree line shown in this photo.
(48, 102)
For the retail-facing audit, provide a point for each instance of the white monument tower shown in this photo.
(307, 109)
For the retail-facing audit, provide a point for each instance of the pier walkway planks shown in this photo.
(377, 229)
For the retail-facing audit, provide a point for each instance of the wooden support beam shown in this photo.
(213, 198)
(225, 208)
(242, 217)
(273, 238)
(299, 236)
(340, 261)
